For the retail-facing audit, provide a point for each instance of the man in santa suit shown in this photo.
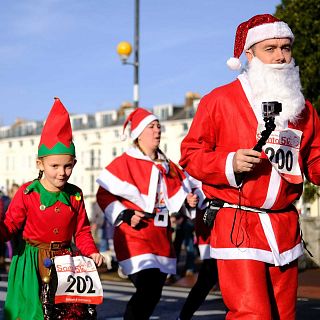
(138, 192)
(256, 237)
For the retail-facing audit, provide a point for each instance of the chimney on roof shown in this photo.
(124, 107)
(190, 98)
(18, 122)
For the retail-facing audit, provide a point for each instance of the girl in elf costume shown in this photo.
(50, 212)
(138, 191)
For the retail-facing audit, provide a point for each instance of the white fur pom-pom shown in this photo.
(234, 63)
(123, 137)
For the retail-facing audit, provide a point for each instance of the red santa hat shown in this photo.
(56, 136)
(256, 29)
(139, 119)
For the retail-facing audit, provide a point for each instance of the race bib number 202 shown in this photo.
(78, 280)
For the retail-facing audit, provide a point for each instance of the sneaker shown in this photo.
(189, 273)
(121, 274)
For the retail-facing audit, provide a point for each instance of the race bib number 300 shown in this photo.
(78, 280)
(282, 149)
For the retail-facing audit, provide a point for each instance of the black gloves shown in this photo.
(127, 215)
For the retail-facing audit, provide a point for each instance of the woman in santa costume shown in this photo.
(256, 236)
(138, 191)
(50, 212)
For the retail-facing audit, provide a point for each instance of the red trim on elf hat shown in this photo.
(256, 29)
(139, 119)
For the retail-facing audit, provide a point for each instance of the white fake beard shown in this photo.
(277, 82)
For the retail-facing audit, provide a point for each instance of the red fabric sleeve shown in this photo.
(15, 216)
(104, 198)
(199, 155)
(312, 160)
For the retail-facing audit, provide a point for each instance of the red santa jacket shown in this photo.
(60, 221)
(130, 182)
(224, 123)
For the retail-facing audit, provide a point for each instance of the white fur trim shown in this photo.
(204, 250)
(113, 210)
(137, 131)
(134, 152)
(273, 189)
(196, 185)
(271, 238)
(229, 171)
(257, 254)
(243, 78)
(152, 191)
(234, 63)
(177, 200)
(266, 31)
(123, 189)
(148, 261)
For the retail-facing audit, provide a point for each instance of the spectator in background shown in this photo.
(13, 244)
(207, 276)
(96, 223)
(2, 244)
(14, 188)
(102, 232)
(184, 238)
(5, 248)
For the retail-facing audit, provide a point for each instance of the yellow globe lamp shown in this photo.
(124, 50)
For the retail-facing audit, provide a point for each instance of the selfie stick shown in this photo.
(269, 111)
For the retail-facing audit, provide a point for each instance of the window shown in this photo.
(106, 120)
(91, 158)
(164, 114)
(98, 162)
(77, 123)
(93, 182)
(185, 127)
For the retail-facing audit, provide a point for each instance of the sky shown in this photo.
(67, 48)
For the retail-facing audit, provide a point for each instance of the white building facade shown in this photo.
(97, 138)
(97, 141)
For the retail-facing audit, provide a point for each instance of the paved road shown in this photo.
(117, 293)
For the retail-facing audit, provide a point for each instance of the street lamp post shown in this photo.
(124, 50)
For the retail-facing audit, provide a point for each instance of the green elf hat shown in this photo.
(56, 137)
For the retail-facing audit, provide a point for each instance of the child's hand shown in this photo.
(97, 258)
(192, 200)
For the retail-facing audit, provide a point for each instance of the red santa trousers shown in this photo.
(254, 290)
